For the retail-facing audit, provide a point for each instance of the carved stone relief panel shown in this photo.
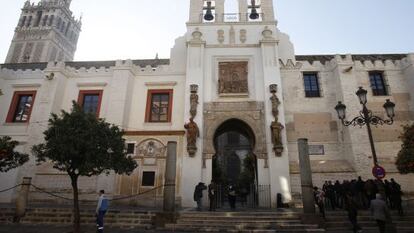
(233, 77)
(151, 148)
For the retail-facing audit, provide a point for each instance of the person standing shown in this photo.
(101, 211)
(232, 197)
(212, 192)
(396, 198)
(198, 194)
(352, 208)
(319, 197)
(380, 212)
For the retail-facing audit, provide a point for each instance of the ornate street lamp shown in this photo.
(366, 117)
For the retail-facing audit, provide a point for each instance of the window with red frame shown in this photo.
(159, 106)
(90, 101)
(21, 106)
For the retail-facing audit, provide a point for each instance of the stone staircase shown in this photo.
(337, 222)
(284, 222)
(64, 216)
(247, 221)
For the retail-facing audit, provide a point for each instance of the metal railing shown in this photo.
(232, 18)
(254, 196)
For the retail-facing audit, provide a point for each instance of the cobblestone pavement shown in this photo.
(23, 228)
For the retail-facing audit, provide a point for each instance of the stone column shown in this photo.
(219, 11)
(21, 201)
(243, 10)
(306, 177)
(170, 174)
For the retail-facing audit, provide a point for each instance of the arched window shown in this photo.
(52, 17)
(23, 21)
(45, 20)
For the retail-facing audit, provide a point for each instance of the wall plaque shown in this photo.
(316, 150)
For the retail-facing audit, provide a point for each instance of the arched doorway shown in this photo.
(234, 163)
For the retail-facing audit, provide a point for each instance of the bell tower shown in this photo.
(47, 31)
(233, 52)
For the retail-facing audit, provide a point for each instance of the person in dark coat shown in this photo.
(396, 193)
(352, 208)
(362, 199)
(330, 194)
(212, 194)
(232, 197)
(370, 190)
(198, 194)
(380, 212)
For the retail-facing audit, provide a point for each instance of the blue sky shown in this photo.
(137, 29)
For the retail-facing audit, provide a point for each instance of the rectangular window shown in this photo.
(377, 83)
(21, 106)
(311, 85)
(159, 106)
(148, 179)
(130, 148)
(90, 101)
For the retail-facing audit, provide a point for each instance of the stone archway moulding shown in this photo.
(251, 113)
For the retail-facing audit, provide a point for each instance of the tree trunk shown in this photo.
(76, 220)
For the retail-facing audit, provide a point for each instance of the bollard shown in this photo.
(169, 215)
(306, 177)
(22, 198)
(170, 174)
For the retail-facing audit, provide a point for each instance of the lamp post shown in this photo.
(366, 117)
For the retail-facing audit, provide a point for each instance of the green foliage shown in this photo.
(82, 145)
(405, 159)
(10, 159)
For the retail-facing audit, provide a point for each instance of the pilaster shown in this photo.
(278, 164)
(192, 166)
(409, 74)
(355, 146)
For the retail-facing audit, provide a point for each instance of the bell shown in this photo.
(209, 15)
(254, 15)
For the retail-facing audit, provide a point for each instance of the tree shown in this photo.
(405, 159)
(10, 159)
(82, 145)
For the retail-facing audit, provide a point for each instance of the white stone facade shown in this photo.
(194, 60)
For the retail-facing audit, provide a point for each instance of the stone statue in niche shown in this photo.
(276, 127)
(193, 100)
(243, 36)
(151, 148)
(193, 133)
(233, 77)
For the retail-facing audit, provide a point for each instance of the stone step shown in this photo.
(367, 230)
(238, 219)
(214, 229)
(220, 221)
(366, 224)
(230, 225)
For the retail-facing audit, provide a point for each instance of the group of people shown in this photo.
(376, 195)
(363, 192)
(212, 195)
